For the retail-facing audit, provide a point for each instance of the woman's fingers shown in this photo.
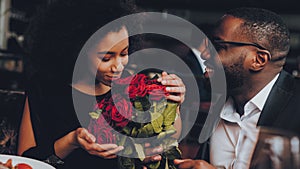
(174, 85)
(82, 133)
(87, 141)
(107, 150)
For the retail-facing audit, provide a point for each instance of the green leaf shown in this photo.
(145, 131)
(94, 115)
(99, 111)
(138, 105)
(157, 122)
(140, 151)
(169, 116)
(125, 163)
(165, 134)
(153, 165)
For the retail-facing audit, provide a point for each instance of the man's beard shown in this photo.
(235, 75)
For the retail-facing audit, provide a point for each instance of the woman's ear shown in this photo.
(261, 59)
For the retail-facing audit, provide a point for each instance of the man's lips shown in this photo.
(209, 70)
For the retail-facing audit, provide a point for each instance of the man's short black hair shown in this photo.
(264, 27)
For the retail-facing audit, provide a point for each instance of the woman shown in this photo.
(50, 129)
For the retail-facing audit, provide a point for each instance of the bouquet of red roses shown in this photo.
(137, 112)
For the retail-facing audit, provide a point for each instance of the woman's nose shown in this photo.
(117, 65)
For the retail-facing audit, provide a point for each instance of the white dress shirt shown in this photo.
(234, 139)
(200, 60)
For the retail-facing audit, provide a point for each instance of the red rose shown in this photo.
(123, 81)
(105, 136)
(121, 112)
(156, 91)
(101, 130)
(105, 106)
(137, 87)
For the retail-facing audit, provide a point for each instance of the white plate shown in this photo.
(35, 164)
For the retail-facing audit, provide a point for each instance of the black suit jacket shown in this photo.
(191, 60)
(281, 110)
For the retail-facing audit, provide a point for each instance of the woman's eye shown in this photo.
(105, 59)
(124, 54)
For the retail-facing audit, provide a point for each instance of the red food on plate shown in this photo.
(23, 166)
(8, 165)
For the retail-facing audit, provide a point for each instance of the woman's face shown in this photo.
(111, 56)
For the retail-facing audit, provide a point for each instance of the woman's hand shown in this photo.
(87, 141)
(174, 85)
(82, 138)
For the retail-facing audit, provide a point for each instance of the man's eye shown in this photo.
(219, 47)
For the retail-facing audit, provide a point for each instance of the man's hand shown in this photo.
(152, 154)
(193, 164)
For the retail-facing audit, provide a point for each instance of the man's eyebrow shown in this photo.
(216, 38)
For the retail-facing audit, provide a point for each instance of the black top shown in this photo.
(53, 116)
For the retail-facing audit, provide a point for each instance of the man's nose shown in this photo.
(206, 49)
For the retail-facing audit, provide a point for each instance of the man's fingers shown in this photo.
(184, 164)
(178, 161)
(152, 159)
(153, 151)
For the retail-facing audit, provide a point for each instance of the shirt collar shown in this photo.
(258, 101)
(260, 98)
(200, 60)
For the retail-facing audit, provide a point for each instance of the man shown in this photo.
(252, 45)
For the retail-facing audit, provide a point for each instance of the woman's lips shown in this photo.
(113, 77)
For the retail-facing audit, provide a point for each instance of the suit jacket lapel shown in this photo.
(193, 63)
(277, 100)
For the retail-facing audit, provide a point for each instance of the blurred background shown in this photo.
(15, 16)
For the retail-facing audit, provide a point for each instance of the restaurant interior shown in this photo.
(16, 14)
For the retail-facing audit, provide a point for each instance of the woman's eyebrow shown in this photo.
(110, 52)
(125, 48)
(106, 52)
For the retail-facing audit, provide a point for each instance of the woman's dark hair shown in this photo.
(57, 33)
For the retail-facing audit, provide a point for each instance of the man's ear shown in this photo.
(261, 59)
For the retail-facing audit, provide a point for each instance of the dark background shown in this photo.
(199, 12)
(17, 14)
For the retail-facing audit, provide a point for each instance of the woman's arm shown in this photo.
(26, 135)
(83, 139)
(66, 144)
